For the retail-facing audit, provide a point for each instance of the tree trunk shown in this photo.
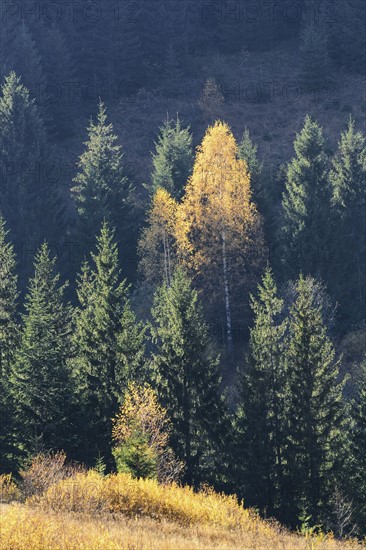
(229, 335)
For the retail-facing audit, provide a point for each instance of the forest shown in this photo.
(183, 251)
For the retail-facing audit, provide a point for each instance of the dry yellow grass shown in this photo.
(121, 494)
(26, 528)
(8, 489)
(91, 512)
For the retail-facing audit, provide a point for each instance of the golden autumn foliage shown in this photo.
(142, 420)
(157, 244)
(141, 410)
(8, 490)
(218, 231)
(217, 198)
(123, 494)
(215, 231)
(90, 512)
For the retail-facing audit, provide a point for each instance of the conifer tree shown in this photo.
(347, 34)
(102, 191)
(211, 100)
(247, 151)
(9, 336)
(314, 67)
(108, 343)
(187, 378)
(8, 302)
(261, 418)
(126, 49)
(357, 472)
(19, 53)
(315, 411)
(172, 72)
(219, 231)
(59, 71)
(173, 158)
(41, 380)
(30, 198)
(348, 181)
(306, 204)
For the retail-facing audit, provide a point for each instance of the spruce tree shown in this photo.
(357, 471)
(102, 191)
(30, 198)
(187, 378)
(172, 72)
(247, 151)
(41, 382)
(315, 410)
(59, 71)
(261, 414)
(9, 335)
(19, 52)
(173, 159)
(348, 181)
(314, 66)
(8, 302)
(306, 204)
(109, 349)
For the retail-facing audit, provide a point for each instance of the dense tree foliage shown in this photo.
(108, 343)
(261, 416)
(279, 417)
(187, 377)
(348, 181)
(316, 415)
(102, 190)
(9, 339)
(40, 380)
(219, 230)
(30, 198)
(306, 204)
(173, 159)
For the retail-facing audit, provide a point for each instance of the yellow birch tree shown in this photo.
(218, 229)
(157, 248)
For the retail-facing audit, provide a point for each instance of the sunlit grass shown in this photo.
(118, 512)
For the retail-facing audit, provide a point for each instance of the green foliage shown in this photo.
(8, 302)
(173, 158)
(261, 417)
(102, 190)
(30, 199)
(357, 468)
(348, 181)
(9, 337)
(109, 348)
(305, 204)
(315, 408)
(19, 52)
(100, 466)
(136, 457)
(247, 151)
(41, 383)
(187, 377)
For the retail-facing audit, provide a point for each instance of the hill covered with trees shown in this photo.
(183, 245)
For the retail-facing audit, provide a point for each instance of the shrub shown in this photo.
(141, 431)
(8, 490)
(136, 456)
(43, 471)
(123, 494)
